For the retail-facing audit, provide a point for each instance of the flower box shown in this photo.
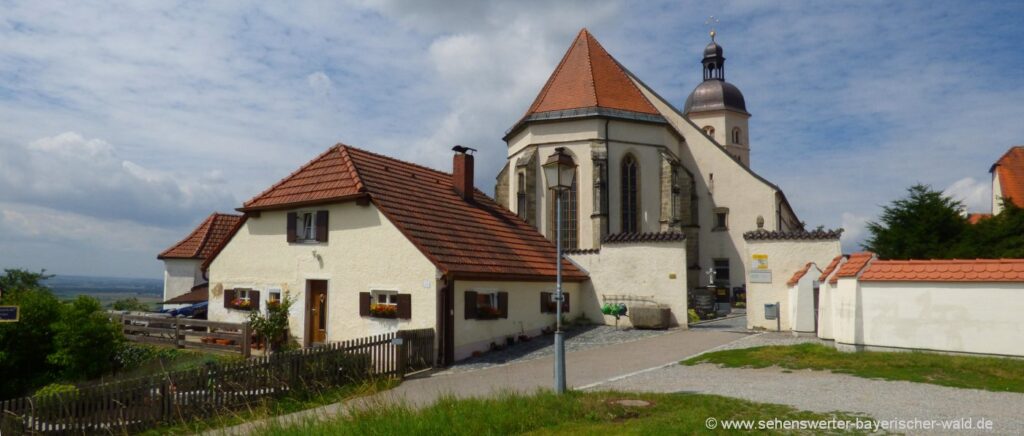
(384, 311)
(241, 304)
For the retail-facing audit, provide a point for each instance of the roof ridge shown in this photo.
(588, 38)
(350, 166)
(395, 159)
(289, 176)
(187, 237)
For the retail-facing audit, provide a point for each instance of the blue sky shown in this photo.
(123, 126)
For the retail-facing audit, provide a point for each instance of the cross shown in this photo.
(711, 22)
(711, 275)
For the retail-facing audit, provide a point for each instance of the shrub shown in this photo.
(131, 303)
(274, 325)
(692, 316)
(25, 345)
(54, 389)
(85, 340)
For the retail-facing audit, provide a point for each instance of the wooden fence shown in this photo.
(188, 333)
(180, 396)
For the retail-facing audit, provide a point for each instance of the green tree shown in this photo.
(1001, 236)
(130, 303)
(924, 225)
(85, 340)
(25, 345)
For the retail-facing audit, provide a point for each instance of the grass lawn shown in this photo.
(544, 413)
(988, 373)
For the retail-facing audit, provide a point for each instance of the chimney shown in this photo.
(462, 172)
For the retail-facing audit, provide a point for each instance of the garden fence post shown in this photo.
(246, 337)
(400, 353)
(177, 333)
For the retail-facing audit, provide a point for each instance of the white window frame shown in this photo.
(492, 295)
(300, 226)
(390, 294)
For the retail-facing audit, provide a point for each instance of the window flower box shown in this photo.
(241, 304)
(384, 311)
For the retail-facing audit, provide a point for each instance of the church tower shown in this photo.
(718, 107)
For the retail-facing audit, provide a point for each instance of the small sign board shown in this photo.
(771, 311)
(761, 276)
(759, 261)
(9, 313)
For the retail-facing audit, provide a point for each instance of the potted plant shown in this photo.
(487, 312)
(384, 311)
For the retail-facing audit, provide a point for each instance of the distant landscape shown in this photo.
(106, 289)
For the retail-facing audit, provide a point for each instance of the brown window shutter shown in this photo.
(545, 300)
(405, 306)
(364, 303)
(565, 304)
(254, 300)
(503, 304)
(321, 225)
(229, 295)
(470, 305)
(292, 223)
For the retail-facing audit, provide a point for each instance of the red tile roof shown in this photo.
(799, 274)
(470, 239)
(854, 264)
(975, 218)
(587, 77)
(831, 267)
(978, 270)
(204, 239)
(1010, 169)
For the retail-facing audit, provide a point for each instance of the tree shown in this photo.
(1001, 236)
(25, 345)
(85, 340)
(130, 303)
(924, 225)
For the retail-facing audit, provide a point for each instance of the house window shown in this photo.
(736, 135)
(521, 195)
(721, 218)
(710, 131)
(570, 215)
(242, 299)
(385, 297)
(307, 227)
(486, 304)
(384, 304)
(273, 298)
(630, 192)
(721, 272)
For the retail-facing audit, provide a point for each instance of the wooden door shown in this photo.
(316, 312)
(446, 325)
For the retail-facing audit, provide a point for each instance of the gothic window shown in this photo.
(736, 135)
(710, 131)
(570, 214)
(521, 195)
(675, 195)
(630, 193)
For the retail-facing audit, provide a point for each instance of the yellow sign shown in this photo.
(759, 261)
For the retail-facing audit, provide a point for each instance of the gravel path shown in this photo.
(822, 391)
(576, 339)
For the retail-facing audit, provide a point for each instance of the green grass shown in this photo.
(973, 372)
(544, 413)
(275, 407)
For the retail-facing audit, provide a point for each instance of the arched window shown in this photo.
(710, 131)
(675, 196)
(630, 193)
(570, 214)
(521, 195)
(736, 135)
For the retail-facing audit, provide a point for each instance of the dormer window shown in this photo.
(307, 226)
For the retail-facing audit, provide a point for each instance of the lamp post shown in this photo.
(559, 170)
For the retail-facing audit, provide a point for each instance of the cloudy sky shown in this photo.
(123, 126)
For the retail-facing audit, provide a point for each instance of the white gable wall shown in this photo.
(785, 257)
(180, 275)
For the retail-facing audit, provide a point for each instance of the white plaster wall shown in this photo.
(997, 193)
(524, 315)
(942, 316)
(801, 301)
(364, 252)
(655, 269)
(785, 257)
(825, 311)
(180, 275)
(845, 311)
(723, 122)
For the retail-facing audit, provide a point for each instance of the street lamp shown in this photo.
(559, 170)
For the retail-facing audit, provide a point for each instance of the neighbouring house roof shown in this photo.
(198, 294)
(468, 238)
(204, 239)
(620, 238)
(831, 267)
(975, 218)
(766, 235)
(587, 82)
(799, 274)
(1011, 174)
(853, 266)
(977, 270)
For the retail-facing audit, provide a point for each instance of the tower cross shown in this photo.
(711, 22)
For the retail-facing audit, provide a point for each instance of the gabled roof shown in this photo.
(470, 239)
(1011, 174)
(853, 266)
(799, 274)
(831, 267)
(204, 239)
(977, 270)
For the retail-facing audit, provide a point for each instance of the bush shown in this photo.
(130, 355)
(54, 389)
(691, 316)
(274, 325)
(85, 340)
(25, 345)
(131, 304)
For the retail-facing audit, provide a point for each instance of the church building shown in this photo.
(642, 164)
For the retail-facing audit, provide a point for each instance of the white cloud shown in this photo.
(854, 231)
(320, 83)
(975, 195)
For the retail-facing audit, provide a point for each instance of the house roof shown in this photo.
(1011, 174)
(588, 79)
(766, 235)
(831, 267)
(204, 239)
(643, 237)
(853, 266)
(799, 274)
(977, 270)
(468, 238)
(975, 218)
(198, 294)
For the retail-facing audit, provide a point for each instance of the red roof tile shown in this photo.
(977, 270)
(204, 239)
(799, 274)
(587, 77)
(831, 267)
(854, 264)
(975, 218)
(1010, 169)
(476, 238)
